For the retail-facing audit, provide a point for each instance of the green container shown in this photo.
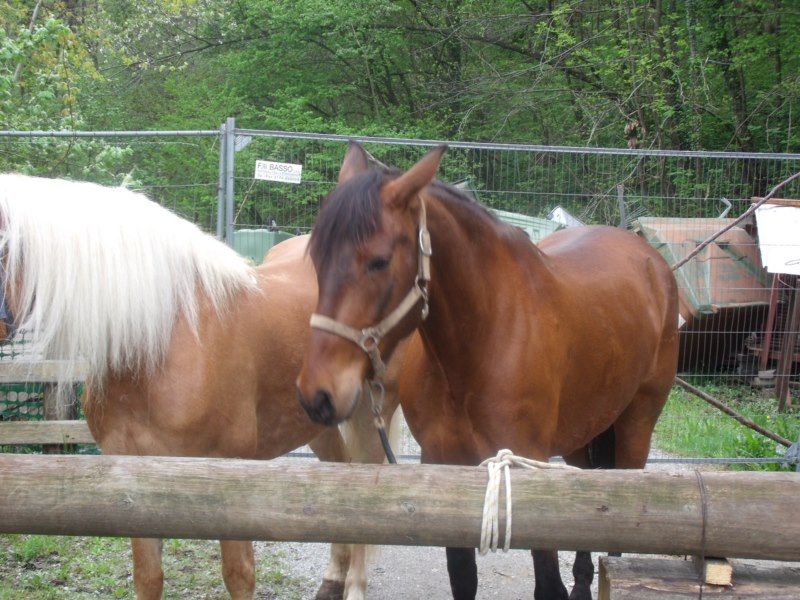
(254, 243)
(535, 227)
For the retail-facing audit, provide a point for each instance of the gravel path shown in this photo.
(410, 572)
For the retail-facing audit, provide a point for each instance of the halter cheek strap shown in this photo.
(369, 338)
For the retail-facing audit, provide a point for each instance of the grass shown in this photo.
(37, 567)
(691, 427)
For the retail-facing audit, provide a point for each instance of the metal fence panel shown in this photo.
(736, 316)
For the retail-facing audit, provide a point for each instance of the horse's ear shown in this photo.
(409, 184)
(355, 162)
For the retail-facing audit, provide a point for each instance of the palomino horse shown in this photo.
(535, 349)
(191, 350)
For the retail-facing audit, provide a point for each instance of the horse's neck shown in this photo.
(478, 271)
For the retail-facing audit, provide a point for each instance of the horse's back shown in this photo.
(583, 250)
(614, 270)
(289, 253)
(619, 319)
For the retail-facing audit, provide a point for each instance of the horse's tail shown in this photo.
(602, 450)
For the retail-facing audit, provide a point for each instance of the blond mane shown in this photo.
(100, 275)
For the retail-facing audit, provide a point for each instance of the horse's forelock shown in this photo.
(350, 214)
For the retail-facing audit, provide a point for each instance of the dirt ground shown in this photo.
(416, 573)
(410, 572)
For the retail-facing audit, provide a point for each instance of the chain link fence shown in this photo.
(735, 316)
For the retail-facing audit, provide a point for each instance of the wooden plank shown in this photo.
(60, 404)
(44, 371)
(715, 571)
(733, 514)
(645, 578)
(20, 433)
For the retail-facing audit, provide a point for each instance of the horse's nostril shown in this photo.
(323, 406)
(320, 407)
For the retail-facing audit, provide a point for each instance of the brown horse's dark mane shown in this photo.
(445, 190)
(352, 211)
(460, 198)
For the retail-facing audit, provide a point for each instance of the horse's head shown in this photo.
(370, 248)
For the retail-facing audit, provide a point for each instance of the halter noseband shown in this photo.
(369, 338)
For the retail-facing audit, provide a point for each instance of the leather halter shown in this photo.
(369, 338)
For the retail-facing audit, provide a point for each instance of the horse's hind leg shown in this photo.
(634, 427)
(600, 453)
(148, 578)
(355, 586)
(238, 568)
(582, 573)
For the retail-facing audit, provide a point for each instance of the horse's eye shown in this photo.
(377, 264)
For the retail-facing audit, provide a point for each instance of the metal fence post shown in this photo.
(221, 185)
(229, 176)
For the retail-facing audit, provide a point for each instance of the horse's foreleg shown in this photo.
(148, 578)
(463, 573)
(332, 587)
(238, 569)
(548, 578)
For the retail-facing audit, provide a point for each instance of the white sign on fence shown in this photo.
(276, 171)
(778, 238)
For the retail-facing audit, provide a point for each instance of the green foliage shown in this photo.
(691, 427)
(44, 68)
(679, 75)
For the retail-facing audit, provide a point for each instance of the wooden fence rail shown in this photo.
(745, 515)
(60, 426)
(20, 433)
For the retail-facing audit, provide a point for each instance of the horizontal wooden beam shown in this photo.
(19, 433)
(43, 371)
(732, 514)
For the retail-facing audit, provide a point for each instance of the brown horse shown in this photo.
(191, 350)
(536, 349)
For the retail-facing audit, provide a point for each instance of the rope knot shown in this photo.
(497, 465)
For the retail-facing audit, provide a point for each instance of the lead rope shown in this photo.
(497, 466)
(380, 424)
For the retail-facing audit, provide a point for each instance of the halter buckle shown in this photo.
(369, 340)
(425, 247)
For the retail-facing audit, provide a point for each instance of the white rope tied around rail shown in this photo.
(490, 530)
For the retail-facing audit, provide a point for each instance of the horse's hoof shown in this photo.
(330, 590)
(580, 593)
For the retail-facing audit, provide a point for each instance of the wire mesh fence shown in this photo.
(736, 330)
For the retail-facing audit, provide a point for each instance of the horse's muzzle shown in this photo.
(319, 408)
